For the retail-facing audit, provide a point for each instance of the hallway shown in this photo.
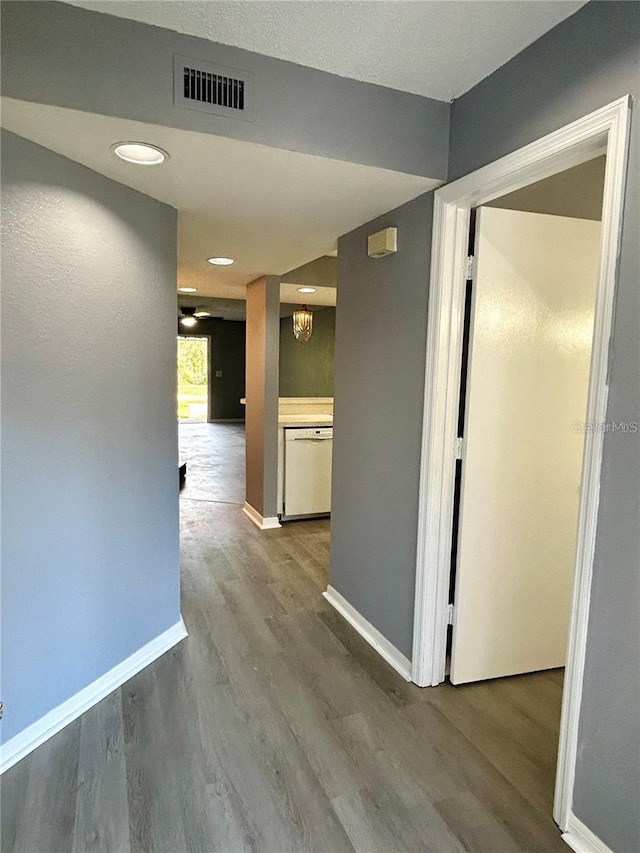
(274, 727)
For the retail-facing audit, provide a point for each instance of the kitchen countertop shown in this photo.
(305, 420)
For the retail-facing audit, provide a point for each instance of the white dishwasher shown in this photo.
(307, 471)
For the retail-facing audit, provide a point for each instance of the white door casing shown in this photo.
(529, 360)
(606, 130)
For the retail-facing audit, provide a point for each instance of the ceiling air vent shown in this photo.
(212, 88)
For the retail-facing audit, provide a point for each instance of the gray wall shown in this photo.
(379, 387)
(89, 447)
(306, 370)
(226, 354)
(587, 61)
(58, 54)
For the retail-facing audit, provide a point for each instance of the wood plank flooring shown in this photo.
(274, 727)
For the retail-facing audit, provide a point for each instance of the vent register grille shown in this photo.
(212, 89)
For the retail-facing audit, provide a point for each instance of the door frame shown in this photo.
(207, 339)
(604, 131)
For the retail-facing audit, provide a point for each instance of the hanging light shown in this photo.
(187, 318)
(302, 324)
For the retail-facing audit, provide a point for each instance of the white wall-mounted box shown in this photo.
(382, 243)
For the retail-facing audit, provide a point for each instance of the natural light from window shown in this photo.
(193, 374)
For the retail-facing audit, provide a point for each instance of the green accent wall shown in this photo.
(306, 370)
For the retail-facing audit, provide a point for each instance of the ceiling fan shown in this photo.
(188, 317)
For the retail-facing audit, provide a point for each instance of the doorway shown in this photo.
(602, 132)
(531, 325)
(193, 379)
(210, 385)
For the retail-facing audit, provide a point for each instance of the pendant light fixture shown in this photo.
(302, 324)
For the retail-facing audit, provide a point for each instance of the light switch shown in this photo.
(218, 374)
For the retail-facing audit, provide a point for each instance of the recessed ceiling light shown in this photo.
(220, 262)
(306, 290)
(140, 153)
(202, 314)
(188, 289)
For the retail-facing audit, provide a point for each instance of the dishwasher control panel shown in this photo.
(308, 433)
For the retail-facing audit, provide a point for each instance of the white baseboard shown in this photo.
(37, 733)
(385, 649)
(268, 523)
(580, 838)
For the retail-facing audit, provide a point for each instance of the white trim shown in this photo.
(612, 209)
(37, 733)
(442, 380)
(606, 129)
(268, 523)
(580, 838)
(385, 649)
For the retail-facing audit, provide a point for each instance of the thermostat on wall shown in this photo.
(383, 243)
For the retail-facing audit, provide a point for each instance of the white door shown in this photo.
(530, 350)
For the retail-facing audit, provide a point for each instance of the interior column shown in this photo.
(262, 381)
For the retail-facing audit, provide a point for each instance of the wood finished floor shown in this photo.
(274, 727)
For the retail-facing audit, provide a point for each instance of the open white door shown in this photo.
(530, 349)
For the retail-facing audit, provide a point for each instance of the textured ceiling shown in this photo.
(272, 210)
(429, 47)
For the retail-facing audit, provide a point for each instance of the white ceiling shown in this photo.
(272, 210)
(322, 296)
(429, 47)
(235, 309)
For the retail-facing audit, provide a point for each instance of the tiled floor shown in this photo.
(215, 461)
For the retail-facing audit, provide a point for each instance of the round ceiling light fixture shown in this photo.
(188, 289)
(220, 262)
(140, 153)
(306, 290)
